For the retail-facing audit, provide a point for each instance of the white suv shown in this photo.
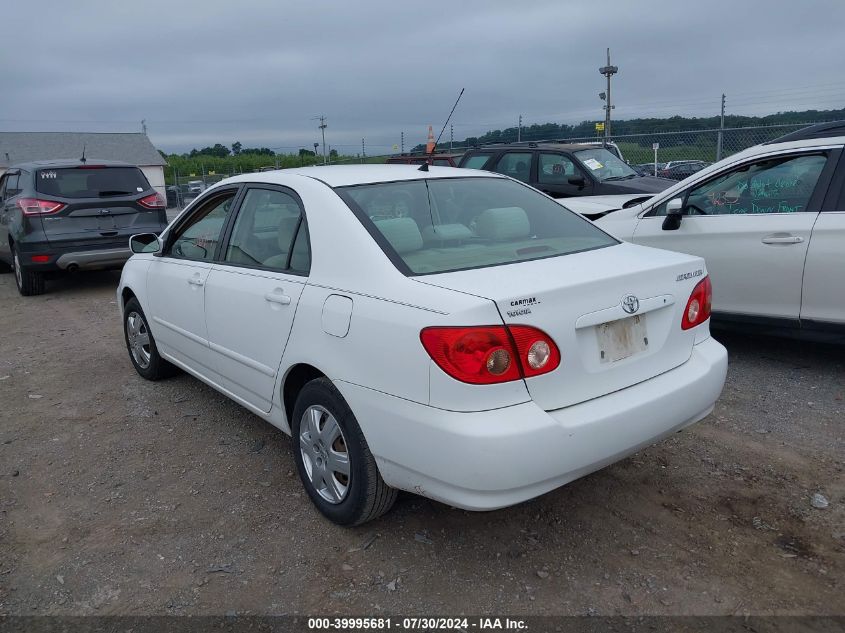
(770, 222)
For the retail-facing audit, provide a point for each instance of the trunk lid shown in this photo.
(101, 205)
(578, 300)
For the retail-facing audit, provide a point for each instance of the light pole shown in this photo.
(608, 71)
(323, 125)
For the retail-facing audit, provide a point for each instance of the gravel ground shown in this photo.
(121, 496)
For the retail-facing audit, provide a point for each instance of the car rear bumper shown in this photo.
(89, 260)
(492, 459)
(72, 257)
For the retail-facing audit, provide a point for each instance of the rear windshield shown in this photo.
(449, 224)
(91, 182)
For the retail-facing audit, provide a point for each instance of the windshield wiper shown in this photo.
(628, 177)
(103, 194)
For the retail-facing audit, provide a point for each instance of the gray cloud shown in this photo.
(206, 72)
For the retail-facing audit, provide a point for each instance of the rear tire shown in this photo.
(326, 436)
(29, 282)
(141, 345)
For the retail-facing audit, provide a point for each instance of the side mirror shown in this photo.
(674, 214)
(578, 181)
(145, 243)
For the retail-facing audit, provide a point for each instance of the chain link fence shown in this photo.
(636, 149)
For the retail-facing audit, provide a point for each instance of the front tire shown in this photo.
(29, 283)
(141, 345)
(333, 459)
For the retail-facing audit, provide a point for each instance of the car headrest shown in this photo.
(402, 233)
(503, 223)
(446, 233)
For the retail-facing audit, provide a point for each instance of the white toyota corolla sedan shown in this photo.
(452, 333)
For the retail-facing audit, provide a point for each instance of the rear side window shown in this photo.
(448, 224)
(476, 162)
(91, 182)
(516, 165)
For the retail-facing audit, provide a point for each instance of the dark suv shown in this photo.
(68, 215)
(563, 170)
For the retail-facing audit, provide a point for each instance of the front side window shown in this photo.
(516, 165)
(555, 169)
(199, 237)
(91, 181)
(779, 185)
(448, 224)
(264, 230)
(603, 165)
(476, 162)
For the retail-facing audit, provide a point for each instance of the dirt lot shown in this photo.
(121, 496)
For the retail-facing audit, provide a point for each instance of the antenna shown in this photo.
(83, 159)
(424, 166)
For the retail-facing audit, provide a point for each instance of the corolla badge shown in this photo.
(630, 304)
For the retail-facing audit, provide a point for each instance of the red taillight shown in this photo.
(153, 201)
(699, 304)
(34, 206)
(538, 353)
(40, 259)
(490, 354)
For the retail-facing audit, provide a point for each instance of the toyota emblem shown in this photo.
(630, 304)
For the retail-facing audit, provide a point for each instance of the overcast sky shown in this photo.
(257, 72)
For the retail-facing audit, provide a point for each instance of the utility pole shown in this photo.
(451, 136)
(323, 125)
(402, 143)
(363, 151)
(608, 71)
(519, 130)
(720, 139)
(144, 126)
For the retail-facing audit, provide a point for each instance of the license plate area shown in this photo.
(622, 338)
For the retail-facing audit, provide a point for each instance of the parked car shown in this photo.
(594, 207)
(563, 170)
(678, 170)
(647, 169)
(196, 187)
(174, 197)
(770, 221)
(441, 160)
(69, 215)
(466, 323)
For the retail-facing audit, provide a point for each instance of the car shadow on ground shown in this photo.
(82, 282)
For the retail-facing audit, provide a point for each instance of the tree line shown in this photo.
(585, 129)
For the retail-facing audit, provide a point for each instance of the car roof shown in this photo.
(70, 162)
(345, 175)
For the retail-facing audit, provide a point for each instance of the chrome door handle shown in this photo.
(277, 297)
(195, 281)
(782, 239)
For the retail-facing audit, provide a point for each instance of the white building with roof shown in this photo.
(129, 147)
